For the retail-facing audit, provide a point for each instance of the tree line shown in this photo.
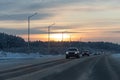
(17, 44)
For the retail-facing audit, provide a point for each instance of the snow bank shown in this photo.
(116, 55)
(9, 55)
(18, 55)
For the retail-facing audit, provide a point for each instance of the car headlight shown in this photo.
(66, 52)
(76, 52)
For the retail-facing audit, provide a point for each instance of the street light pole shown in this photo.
(29, 29)
(70, 40)
(49, 36)
(62, 36)
(48, 39)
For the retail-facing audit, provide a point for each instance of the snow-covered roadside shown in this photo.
(9, 55)
(117, 55)
(12, 60)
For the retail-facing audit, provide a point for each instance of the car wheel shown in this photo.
(67, 57)
(77, 56)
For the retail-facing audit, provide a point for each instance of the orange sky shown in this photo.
(88, 20)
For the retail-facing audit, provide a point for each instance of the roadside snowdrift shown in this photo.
(9, 55)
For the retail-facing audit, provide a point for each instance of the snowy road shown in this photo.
(103, 67)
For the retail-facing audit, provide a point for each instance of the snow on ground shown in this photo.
(9, 55)
(10, 60)
(116, 55)
(116, 58)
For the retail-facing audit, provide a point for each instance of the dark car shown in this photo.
(72, 52)
(86, 53)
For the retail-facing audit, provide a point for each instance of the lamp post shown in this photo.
(70, 41)
(62, 36)
(49, 36)
(29, 29)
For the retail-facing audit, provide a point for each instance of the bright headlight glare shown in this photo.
(76, 52)
(66, 52)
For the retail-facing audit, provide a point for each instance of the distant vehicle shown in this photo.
(72, 52)
(97, 53)
(86, 53)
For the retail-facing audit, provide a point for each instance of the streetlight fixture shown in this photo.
(49, 36)
(29, 29)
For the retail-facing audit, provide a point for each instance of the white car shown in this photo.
(72, 52)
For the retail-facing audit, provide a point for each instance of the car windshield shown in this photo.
(72, 49)
(86, 51)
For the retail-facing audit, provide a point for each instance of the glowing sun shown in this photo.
(60, 37)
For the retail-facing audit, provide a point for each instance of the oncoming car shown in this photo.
(72, 52)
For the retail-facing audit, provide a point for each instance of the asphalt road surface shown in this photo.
(99, 67)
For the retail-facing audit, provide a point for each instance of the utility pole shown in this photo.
(29, 30)
(62, 36)
(49, 37)
(70, 40)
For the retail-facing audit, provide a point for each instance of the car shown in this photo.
(97, 53)
(72, 52)
(86, 53)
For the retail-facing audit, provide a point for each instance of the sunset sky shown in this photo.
(85, 20)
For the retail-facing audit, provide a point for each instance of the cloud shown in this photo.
(58, 28)
(32, 31)
(106, 22)
(68, 32)
(116, 32)
(21, 31)
(19, 9)
(24, 16)
(32, 5)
